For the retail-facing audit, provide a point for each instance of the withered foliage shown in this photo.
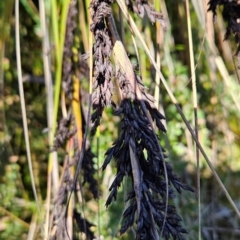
(142, 8)
(58, 227)
(83, 225)
(128, 91)
(137, 133)
(66, 130)
(89, 172)
(67, 126)
(59, 230)
(231, 14)
(137, 150)
(103, 70)
(67, 66)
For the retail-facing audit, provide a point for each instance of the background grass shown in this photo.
(218, 116)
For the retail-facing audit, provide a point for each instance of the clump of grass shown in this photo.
(69, 136)
(137, 150)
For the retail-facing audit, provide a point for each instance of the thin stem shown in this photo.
(14, 218)
(137, 176)
(32, 228)
(208, 160)
(158, 57)
(195, 105)
(83, 25)
(59, 44)
(23, 105)
(98, 179)
(49, 98)
(59, 60)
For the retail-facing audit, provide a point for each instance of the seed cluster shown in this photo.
(103, 70)
(58, 230)
(83, 225)
(137, 133)
(231, 14)
(142, 7)
(137, 150)
(67, 68)
(89, 172)
(66, 131)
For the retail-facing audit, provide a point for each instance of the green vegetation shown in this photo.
(58, 74)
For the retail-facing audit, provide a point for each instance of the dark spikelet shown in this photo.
(64, 132)
(83, 68)
(88, 173)
(142, 7)
(102, 69)
(231, 15)
(58, 228)
(83, 225)
(88, 168)
(137, 133)
(96, 117)
(68, 70)
(213, 4)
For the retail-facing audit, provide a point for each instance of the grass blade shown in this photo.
(195, 106)
(22, 100)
